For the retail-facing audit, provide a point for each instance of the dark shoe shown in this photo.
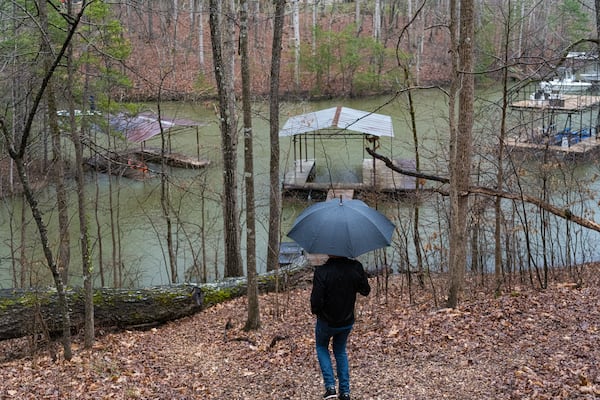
(344, 396)
(330, 394)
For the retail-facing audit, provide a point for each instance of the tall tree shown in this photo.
(296, 46)
(377, 21)
(405, 64)
(274, 187)
(17, 147)
(199, 12)
(502, 137)
(253, 320)
(165, 194)
(61, 264)
(221, 16)
(64, 247)
(82, 209)
(462, 29)
(597, 15)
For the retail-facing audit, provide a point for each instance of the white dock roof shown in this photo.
(339, 117)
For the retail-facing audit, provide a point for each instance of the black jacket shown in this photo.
(335, 285)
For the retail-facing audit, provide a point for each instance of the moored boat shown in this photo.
(567, 83)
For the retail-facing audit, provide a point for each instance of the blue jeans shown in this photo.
(323, 334)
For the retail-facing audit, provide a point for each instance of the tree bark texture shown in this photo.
(62, 203)
(82, 209)
(500, 172)
(27, 312)
(253, 320)
(460, 150)
(222, 46)
(274, 185)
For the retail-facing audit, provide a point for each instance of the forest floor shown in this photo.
(524, 344)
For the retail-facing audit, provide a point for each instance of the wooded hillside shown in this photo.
(527, 344)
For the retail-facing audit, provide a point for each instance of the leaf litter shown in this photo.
(524, 344)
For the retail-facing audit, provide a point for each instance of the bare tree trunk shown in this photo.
(165, 195)
(253, 320)
(64, 247)
(55, 268)
(408, 81)
(86, 256)
(17, 154)
(296, 46)
(377, 21)
(460, 145)
(358, 16)
(199, 9)
(87, 264)
(150, 16)
(274, 189)
(113, 227)
(132, 309)
(500, 172)
(313, 42)
(23, 239)
(63, 306)
(222, 47)
(99, 230)
(597, 15)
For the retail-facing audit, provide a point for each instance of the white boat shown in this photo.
(566, 84)
(590, 76)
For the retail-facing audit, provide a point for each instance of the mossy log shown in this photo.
(34, 311)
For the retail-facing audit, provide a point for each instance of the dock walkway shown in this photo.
(567, 103)
(586, 147)
(177, 160)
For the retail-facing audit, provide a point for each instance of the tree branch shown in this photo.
(564, 213)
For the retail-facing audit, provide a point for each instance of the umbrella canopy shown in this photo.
(341, 228)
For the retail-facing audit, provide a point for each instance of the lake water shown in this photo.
(196, 198)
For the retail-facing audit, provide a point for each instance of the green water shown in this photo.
(196, 196)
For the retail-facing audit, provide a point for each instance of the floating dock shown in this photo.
(376, 177)
(567, 103)
(585, 147)
(132, 164)
(577, 140)
(176, 160)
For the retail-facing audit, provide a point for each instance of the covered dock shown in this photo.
(342, 122)
(564, 125)
(133, 162)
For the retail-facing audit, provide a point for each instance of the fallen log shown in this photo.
(25, 312)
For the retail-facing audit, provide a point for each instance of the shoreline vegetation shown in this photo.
(527, 343)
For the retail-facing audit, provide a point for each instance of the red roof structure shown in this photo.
(144, 126)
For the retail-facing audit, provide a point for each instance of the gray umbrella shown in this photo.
(341, 228)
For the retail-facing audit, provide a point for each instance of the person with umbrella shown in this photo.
(343, 231)
(332, 300)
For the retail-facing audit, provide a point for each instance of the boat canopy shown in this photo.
(142, 127)
(343, 118)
